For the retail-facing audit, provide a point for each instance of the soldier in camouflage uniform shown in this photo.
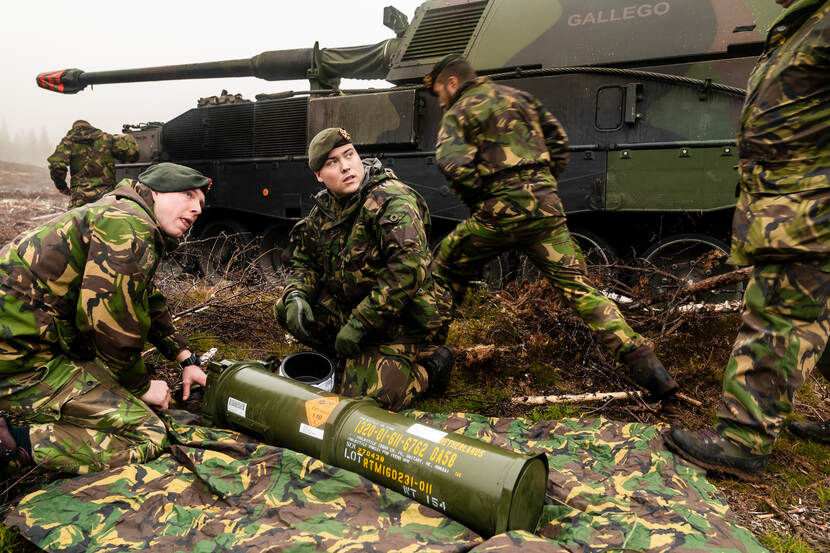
(782, 227)
(501, 152)
(77, 308)
(359, 285)
(90, 155)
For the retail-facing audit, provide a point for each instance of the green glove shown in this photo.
(347, 342)
(299, 318)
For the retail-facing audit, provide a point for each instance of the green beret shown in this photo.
(171, 177)
(323, 143)
(429, 78)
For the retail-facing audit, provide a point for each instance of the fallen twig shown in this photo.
(575, 398)
(594, 396)
(47, 216)
(688, 399)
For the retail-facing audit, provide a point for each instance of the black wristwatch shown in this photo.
(192, 360)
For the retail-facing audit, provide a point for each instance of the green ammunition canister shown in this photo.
(488, 489)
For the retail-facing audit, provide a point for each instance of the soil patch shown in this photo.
(27, 199)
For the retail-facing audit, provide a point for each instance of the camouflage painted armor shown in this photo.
(77, 308)
(501, 152)
(90, 155)
(782, 226)
(368, 257)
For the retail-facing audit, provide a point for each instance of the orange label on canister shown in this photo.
(318, 410)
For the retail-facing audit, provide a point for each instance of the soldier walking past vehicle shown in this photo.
(89, 154)
(501, 151)
(77, 308)
(359, 284)
(782, 227)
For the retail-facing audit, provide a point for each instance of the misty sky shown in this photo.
(93, 35)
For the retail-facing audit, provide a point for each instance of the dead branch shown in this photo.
(594, 396)
(481, 353)
(575, 398)
(706, 284)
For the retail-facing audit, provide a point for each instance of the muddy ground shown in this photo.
(27, 198)
(522, 341)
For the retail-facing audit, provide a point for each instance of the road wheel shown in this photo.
(226, 246)
(498, 272)
(273, 241)
(600, 258)
(495, 273)
(683, 259)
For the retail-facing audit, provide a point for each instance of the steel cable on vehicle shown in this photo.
(703, 83)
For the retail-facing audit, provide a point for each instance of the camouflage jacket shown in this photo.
(90, 155)
(81, 285)
(784, 137)
(490, 133)
(371, 253)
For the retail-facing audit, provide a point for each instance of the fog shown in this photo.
(93, 35)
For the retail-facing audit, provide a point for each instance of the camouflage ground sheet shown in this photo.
(612, 487)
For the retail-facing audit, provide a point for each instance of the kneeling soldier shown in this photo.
(359, 285)
(77, 308)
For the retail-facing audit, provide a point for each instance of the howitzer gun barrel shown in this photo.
(488, 489)
(287, 65)
(326, 65)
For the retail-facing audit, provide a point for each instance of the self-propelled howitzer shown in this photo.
(648, 91)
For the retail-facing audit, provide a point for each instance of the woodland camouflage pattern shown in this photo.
(783, 137)
(493, 128)
(80, 419)
(611, 486)
(90, 155)
(368, 257)
(782, 227)
(78, 289)
(501, 151)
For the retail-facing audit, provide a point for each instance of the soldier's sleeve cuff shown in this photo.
(135, 379)
(137, 384)
(170, 345)
(367, 323)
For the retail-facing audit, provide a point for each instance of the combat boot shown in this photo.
(811, 430)
(647, 371)
(439, 366)
(712, 451)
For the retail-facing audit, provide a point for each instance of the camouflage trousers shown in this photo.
(80, 419)
(548, 244)
(389, 373)
(786, 312)
(785, 329)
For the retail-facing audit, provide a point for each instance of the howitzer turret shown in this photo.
(649, 93)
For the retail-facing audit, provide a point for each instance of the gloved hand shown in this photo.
(296, 312)
(347, 342)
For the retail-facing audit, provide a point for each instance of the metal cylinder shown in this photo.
(488, 489)
(309, 367)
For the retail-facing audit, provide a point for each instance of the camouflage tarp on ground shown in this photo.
(612, 485)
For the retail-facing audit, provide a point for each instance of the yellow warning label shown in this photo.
(318, 410)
